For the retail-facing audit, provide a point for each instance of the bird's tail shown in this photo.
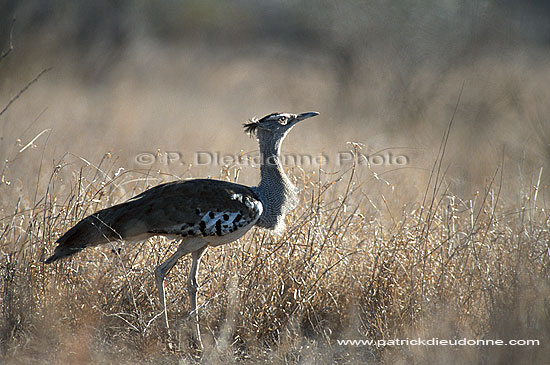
(90, 231)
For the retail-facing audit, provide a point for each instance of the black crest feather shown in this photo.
(254, 123)
(251, 126)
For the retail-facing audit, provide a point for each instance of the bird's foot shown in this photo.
(196, 345)
(170, 339)
(182, 340)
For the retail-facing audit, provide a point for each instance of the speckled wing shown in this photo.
(199, 207)
(219, 211)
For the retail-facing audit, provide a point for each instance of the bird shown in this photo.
(199, 212)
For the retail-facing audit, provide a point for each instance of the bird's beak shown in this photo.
(307, 115)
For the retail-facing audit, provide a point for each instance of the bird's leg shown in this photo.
(185, 247)
(193, 287)
(160, 273)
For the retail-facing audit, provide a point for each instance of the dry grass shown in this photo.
(444, 267)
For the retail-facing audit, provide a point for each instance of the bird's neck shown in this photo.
(277, 193)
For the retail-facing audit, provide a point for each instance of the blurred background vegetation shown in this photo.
(386, 74)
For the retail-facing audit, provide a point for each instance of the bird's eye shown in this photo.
(283, 119)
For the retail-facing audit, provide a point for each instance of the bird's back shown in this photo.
(203, 207)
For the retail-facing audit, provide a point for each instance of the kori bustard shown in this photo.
(200, 212)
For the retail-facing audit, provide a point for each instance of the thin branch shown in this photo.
(31, 143)
(24, 89)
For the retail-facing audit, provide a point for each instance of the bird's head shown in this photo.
(275, 126)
